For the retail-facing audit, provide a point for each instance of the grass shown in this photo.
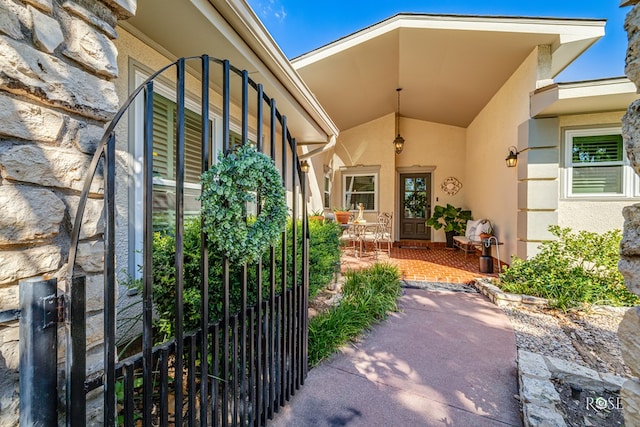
(368, 295)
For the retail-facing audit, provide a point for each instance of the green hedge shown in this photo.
(324, 257)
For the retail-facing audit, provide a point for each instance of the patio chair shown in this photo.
(349, 237)
(471, 239)
(381, 235)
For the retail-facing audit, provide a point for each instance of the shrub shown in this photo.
(368, 295)
(576, 268)
(324, 254)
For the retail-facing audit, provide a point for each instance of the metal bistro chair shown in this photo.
(349, 236)
(382, 234)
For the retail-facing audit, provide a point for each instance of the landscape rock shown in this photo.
(47, 166)
(85, 136)
(89, 47)
(66, 86)
(9, 23)
(538, 391)
(91, 256)
(630, 340)
(28, 214)
(47, 34)
(533, 365)
(630, 395)
(92, 220)
(105, 23)
(574, 373)
(44, 5)
(29, 122)
(22, 263)
(542, 416)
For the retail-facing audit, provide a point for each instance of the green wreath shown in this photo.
(227, 187)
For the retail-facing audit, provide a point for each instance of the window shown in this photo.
(360, 188)
(164, 130)
(327, 191)
(596, 164)
(164, 160)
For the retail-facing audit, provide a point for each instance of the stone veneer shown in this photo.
(57, 66)
(628, 331)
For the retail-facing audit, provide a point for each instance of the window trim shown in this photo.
(630, 181)
(138, 73)
(326, 192)
(362, 171)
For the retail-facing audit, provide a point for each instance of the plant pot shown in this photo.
(449, 235)
(342, 217)
(318, 218)
(484, 236)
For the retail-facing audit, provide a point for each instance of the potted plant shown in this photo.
(317, 215)
(342, 215)
(454, 220)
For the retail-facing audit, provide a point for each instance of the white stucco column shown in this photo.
(538, 187)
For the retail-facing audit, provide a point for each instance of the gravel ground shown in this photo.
(585, 337)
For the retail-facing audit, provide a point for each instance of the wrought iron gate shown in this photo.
(235, 370)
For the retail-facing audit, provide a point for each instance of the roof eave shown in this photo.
(583, 97)
(259, 39)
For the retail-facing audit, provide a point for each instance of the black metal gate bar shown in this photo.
(243, 291)
(147, 266)
(272, 288)
(294, 271)
(110, 283)
(305, 282)
(129, 383)
(76, 351)
(283, 335)
(243, 347)
(234, 369)
(225, 260)
(204, 250)
(191, 377)
(164, 387)
(38, 343)
(254, 387)
(179, 242)
(257, 325)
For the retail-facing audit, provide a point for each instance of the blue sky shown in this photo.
(299, 26)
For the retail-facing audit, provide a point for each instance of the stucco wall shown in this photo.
(441, 147)
(593, 215)
(492, 193)
(427, 146)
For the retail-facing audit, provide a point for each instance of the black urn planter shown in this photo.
(449, 235)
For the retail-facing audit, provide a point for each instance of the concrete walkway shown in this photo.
(447, 359)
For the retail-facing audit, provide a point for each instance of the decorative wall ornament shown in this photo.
(451, 186)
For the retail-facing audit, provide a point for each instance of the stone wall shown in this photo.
(629, 330)
(57, 66)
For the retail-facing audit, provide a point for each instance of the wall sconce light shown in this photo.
(512, 157)
(398, 143)
(304, 166)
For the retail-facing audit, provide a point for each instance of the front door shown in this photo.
(415, 194)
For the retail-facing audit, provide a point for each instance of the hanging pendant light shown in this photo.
(398, 143)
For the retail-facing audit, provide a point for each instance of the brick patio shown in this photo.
(417, 261)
